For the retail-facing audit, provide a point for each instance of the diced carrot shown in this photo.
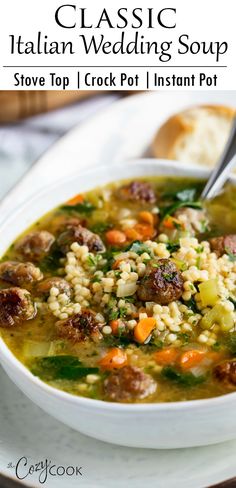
(115, 237)
(166, 356)
(114, 324)
(147, 217)
(190, 359)
(116, 263)
(132, 234)
(171, 222)
(143, 329)
(147, 231)
(76, 199)
(140, 232)
(168, 223)
(114, 359)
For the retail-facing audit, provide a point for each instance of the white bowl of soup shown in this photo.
(117, 308)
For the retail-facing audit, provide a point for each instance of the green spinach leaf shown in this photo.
(60, 367)
(85, 208)
(184, 379)
(51, 262)
(138, 247)
(232, 256)
(100, 227)
(170, 210)
(230, 342)
(115, 341)
(192, 305)
(172, 246)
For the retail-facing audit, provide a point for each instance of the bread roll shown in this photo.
(196, 135)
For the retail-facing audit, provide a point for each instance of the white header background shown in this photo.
(202, 20)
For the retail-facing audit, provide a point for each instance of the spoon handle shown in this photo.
(223, 168)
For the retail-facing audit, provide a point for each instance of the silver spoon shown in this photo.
(223, 168)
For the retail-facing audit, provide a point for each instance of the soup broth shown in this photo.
(127, 293)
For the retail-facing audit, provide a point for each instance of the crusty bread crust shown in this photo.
(179, 125)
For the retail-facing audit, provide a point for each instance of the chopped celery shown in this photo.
(56, 347)
(209, 292)
(181, 265)
(35, 349)
(218, 315)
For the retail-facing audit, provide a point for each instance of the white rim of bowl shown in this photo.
(9, 359)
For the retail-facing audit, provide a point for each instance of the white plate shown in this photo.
(120, 132)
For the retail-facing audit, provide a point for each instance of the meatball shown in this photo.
(129, 384)
(79, 327)
(137, 191)
(81, 235)
(19, 274)
(192, 220)
(16, 306)
(43, 288)
(223, 245)
(162, 283)
(226, 373)
(63, 222)
(35, 245)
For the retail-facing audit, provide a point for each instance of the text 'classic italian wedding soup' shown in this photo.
(127, 293)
